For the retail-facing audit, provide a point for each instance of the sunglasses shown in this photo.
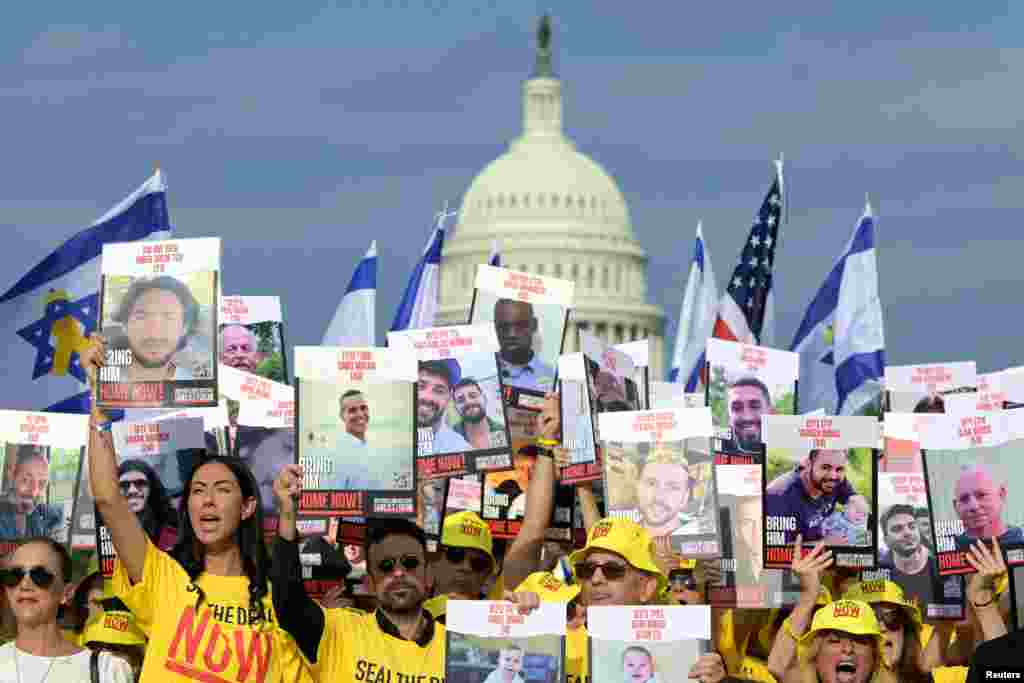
(477, 563)
(612, 571)
(389, 564)
(892, 619)
(13, 576)
(140, 484)
(683, 583)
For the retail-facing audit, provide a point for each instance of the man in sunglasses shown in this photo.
(400, 641)
(464, 563)
(23, 513)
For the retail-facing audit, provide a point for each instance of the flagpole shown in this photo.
(782, 187)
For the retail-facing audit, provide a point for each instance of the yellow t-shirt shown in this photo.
(355, 648)
(438, 605)
(215, 642)
(949, 674)
(577, 655)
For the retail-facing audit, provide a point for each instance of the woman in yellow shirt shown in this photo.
(205, 607)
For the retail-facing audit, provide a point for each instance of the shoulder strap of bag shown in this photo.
(94, 666)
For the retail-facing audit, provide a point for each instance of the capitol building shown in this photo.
(555, 212)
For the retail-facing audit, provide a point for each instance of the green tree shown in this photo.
(272, 368)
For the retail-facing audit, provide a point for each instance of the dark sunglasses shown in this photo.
(893, 619)
(477, 563)
(683, 583)
(13, 576)
(127, 486)
(389, 564)
(612, 571)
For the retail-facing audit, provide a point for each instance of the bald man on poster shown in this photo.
(979, 499)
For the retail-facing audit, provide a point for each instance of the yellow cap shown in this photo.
(883, 591)
(850, 616)
(549, 587)
(113, 628)
(466, 530)
(623, 537)
(754, 669)
(437, 606)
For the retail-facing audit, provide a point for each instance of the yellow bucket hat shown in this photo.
(849, 616)
(883, 591)
(466, 530)
(623, 537)
(113, 628)
(549, 587)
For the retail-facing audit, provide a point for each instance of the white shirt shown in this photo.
(70, 669)
(534, 376)
(497, 677)
(351, 472)
(446, 440)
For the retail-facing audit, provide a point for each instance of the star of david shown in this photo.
(60, 334)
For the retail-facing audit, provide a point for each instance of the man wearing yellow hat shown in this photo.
(464, 563)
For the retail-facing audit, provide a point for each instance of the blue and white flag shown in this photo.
(696, 318)
(495, 257)
(841, 340)
(418, 306)
(48, 314)
(354, 322)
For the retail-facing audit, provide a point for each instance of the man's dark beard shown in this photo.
(517, 357)
(477, 418)
(434, 417)
(746, 444)
(149, 365)
(896, 548)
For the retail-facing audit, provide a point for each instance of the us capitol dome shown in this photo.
(554, 211)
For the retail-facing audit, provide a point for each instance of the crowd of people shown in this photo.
(219, 602)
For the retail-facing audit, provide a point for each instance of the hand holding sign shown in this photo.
(288, 487)
(809, 567)
(989, 565)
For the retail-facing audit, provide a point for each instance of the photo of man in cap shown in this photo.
(433, 393)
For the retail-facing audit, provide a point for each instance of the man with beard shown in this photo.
(979, 499)
(239, 348)
(811, 494)
(663, 492)
(476, 426)
(909, 563)
(924, 523)
(516, 324)
(159, 317)
(398, 641)
(433, 392)
(464, 562)
(746, 400)
(148, 499)
(22, 515)
(510, 664)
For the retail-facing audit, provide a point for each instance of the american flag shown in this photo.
(741, 314)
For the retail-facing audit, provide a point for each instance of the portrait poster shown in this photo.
(639, 352)
(430, 508)
(611, 386)
(154, 460)
(906, 554)
(920, 388)
(969, 464)
(264, 431)
(42, 453)
(657, 475)
(251, 336)
(461, 422)
(991, 392)
(745, 383)
(324, 561)
(355, 431)
(744, 582)
(578, 436)
(650, 643)
(820, 483)
(216, 420)
(674, 395)
(158, 313)
(529, 314)
(486, 640)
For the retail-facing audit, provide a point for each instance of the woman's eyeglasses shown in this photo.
(477, 563)
(612, 571)
(389, 564)
(128, 485)
(13, 576)
(680, 583)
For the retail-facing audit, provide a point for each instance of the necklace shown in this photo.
(17, 669)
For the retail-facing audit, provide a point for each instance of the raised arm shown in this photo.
(296, 612)
(126, 533)
(523, 557)
(808, 568)
(981, 588)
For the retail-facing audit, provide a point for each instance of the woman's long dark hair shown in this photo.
(158, 512)
(79, 608)
(191, 555)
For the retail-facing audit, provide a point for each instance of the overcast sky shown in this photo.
(298, 133)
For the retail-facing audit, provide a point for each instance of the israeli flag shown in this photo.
(696, 318)
(48, 314)
(494, 259)
(418, 306)
(841, 340)
(354, 321)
